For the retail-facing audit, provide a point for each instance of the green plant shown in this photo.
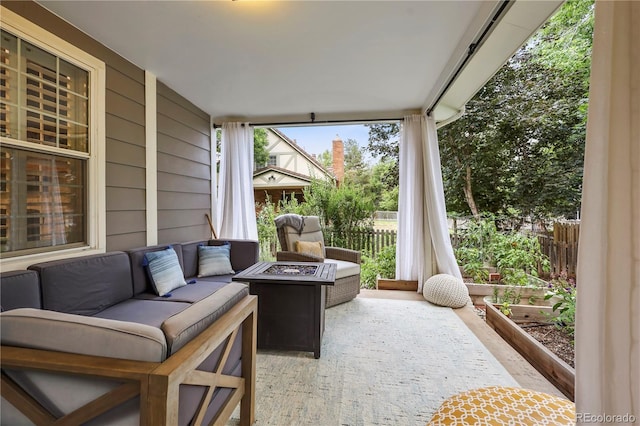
(512, 276)
(506, 295)
(384, 265)
(514, 250)
(514, 254)
(505, 308)
(266, 229)
(470, 260)
(565, 308)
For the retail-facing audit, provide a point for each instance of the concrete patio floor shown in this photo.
(523, 372)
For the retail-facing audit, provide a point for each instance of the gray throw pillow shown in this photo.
(214, 260)
(164, 270)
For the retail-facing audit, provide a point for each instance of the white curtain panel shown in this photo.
(608, 311)
(236, 214)
(436, 207)
(413, 247)
(423, 231)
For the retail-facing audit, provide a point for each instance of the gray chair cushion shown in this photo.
(20, 289)
(184, 326)
(85, 285)
(344, 269)
(310, 232)
(147, 312)
(191, 293)
(56, 331)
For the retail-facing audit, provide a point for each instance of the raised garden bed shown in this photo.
(392, 284)
(478, 292)
(557, 371)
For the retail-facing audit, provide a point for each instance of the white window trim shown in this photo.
(96, 186)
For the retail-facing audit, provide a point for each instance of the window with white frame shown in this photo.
(48, 160)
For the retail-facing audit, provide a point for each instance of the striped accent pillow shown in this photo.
(214, 260)
(164, 270)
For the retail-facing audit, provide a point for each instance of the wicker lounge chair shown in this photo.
(294, 228)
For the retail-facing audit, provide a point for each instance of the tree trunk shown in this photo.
(468, 194)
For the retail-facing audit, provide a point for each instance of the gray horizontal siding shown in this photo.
(182, 201)
(127, 241)
(183, 168)
(119, 152)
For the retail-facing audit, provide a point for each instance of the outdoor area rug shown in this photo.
(383, 362)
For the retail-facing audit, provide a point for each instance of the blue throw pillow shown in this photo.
(214, 260)
(164, 270)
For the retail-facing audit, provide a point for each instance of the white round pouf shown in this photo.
(446, 290)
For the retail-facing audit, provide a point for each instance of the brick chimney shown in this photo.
(338, 159)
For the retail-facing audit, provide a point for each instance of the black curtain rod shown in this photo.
(470, 52)
(313, 121)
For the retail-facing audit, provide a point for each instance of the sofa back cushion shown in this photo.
(85, 285)
(19, 289)
(190, 257)
(244, 253)
(139, 275)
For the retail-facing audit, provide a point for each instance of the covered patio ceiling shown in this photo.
(272, 62)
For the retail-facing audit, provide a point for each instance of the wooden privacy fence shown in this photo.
(370, 242)
(366, 241)
(562, 248)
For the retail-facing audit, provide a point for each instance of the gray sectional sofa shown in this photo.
(87, 340)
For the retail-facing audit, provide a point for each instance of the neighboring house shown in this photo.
(289, 170)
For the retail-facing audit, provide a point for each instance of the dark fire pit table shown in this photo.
(291, 299)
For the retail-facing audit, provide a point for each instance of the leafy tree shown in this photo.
(326, 159)
(356, 170)
(341, 209)
(260, 143)
(381, 189)
(519, 148)
(384, 144)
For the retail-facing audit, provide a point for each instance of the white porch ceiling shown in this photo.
(271, 61)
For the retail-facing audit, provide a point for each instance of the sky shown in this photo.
(317, 139)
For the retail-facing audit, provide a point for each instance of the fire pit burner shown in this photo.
(291, 270)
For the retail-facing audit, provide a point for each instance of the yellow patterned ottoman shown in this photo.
(499, 405)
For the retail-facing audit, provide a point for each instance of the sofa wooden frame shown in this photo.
(157, 384)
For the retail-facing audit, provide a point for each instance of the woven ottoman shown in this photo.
(446, 290)
(500, 405)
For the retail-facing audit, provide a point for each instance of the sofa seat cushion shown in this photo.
(149, 312)
(85, 285)
(344, 268)
(190, 293)
(179, 329)
(57, 331)
(19, 289)
(214, 279)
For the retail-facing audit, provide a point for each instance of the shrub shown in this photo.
(384, 265)
(566, 307)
